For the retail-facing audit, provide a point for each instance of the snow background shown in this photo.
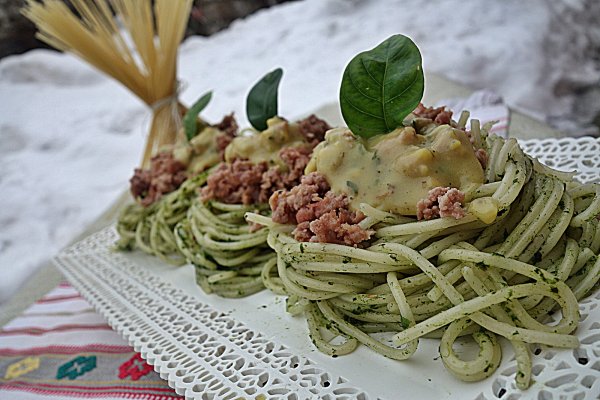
(70, 137)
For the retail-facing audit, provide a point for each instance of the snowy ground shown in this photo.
(69, 137)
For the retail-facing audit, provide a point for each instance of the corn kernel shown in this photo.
(485, 209)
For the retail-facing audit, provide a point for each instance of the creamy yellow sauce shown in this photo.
(201, 153)
(265, 145)
(393, 172)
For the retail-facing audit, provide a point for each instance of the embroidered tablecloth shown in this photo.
(60, 347)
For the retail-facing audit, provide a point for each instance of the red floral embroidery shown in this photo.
(135, 367)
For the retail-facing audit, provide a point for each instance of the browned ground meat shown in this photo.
(313, 129)
(438, 115)
(296, 159)
(285, 204)
(222, 142)
(248, 183)
(441, 202)
(165, 175)
(229, 127)
(321, 215)
(140, 182)
(238, 182)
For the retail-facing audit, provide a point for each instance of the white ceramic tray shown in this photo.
(213, 348)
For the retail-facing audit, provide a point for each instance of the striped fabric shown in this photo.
(60, 348)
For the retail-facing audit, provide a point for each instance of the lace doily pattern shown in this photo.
(559, 374)
(581, 155)
(205, 354)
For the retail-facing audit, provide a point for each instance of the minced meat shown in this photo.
(438, 115)
(482, 157)
(229, 127)
(238, 182)
(248, 183)
(164, 176)
(441, 202)
(313, 129)
(320, 215)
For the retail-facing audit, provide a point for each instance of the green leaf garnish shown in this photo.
(381, 86)
(261, 103)
(190, 119)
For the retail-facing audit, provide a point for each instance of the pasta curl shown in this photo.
(452, 278)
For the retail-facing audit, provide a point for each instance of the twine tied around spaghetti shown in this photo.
(166, 126)
(96, 31)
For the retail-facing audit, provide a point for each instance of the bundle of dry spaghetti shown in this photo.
(131, 41)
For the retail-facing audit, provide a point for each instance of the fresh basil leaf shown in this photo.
(381, 86)
(261, 103)
(190, 119)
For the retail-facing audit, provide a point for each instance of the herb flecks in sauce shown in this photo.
(205, 144)
(393, 172)
(265, 145)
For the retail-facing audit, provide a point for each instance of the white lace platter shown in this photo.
(213, 348)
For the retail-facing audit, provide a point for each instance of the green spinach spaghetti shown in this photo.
(408, 225)
(443, 277)
(228, 254)
(164, 192)
(405, 225)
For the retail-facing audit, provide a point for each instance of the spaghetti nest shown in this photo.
(151, 229)
(449, 278)
(228, 255)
